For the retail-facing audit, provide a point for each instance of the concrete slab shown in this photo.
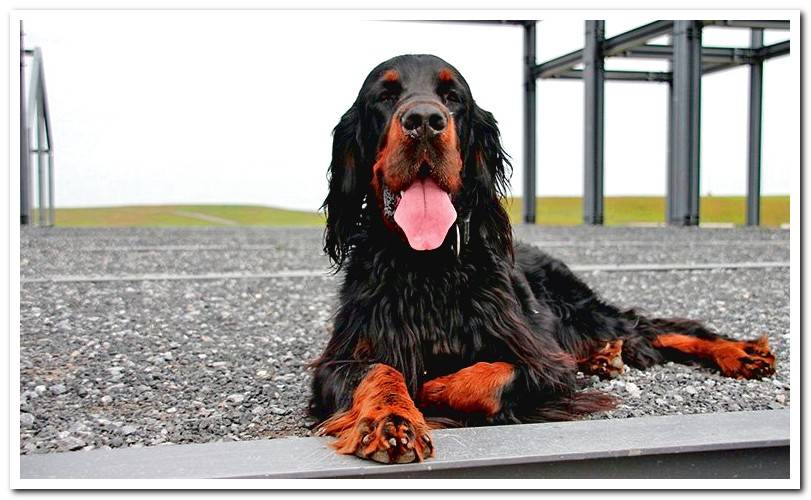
(738, 445)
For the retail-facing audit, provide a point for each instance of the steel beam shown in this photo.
(751, 444)
(684, 188)
(612, 46)
(619, 75)
(755, 134)
(711, 55)
(553, 67)
(774, 50)
(530, 122)
(707, 69)
(636, 37)
(594, 84)
(770, 25)
(499, 22)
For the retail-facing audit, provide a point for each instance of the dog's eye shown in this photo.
(387, 96)
(452, 96)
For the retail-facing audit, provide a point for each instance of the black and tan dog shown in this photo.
(441, 315)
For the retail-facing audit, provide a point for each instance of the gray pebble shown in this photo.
(236, 398)
(58, 389)
(279, 411)
(70, 443)
(26, 420)
(127, 430)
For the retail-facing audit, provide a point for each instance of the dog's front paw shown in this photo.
(392, 438)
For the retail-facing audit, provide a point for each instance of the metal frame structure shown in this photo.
(689, 61)
(34, 115)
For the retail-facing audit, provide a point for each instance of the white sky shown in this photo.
(237, 107)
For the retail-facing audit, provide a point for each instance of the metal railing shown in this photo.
(36, 141)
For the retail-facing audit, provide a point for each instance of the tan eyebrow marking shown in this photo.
(445, 75)
(391, 75)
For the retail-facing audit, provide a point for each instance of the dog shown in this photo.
(442, 318)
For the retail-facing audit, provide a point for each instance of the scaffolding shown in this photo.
(689, 60)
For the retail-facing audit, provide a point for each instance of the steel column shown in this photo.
(51, 206)
(46, 120)
(594, 84)
(684, 189)
(755, 136)
(670, 209)
(42, 185)
(530, 122)
(25, 154)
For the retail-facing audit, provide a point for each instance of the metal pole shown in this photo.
(530, 123)
(51, 209)
(41, 180)
(46, 119)
(670, 214)
(671, 182)
(594, 84)
(755, 136)
(25, 154)
(687, 122)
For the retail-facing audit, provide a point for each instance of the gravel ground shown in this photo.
(156, 362)
(119, 252)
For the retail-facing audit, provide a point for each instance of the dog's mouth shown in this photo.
(423, 211)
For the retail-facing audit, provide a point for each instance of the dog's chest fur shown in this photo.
(427, 315)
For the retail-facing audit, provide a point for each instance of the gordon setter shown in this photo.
(441, 318)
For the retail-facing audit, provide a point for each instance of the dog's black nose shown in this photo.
(424, 119)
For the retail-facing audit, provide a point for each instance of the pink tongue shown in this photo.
(425, 214)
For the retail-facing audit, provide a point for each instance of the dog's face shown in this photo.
(416, 149)
(415, 104)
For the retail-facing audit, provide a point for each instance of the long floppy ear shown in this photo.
(487, 168)
(348, 182)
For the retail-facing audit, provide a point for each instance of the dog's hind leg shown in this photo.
(605, 361)
(687, 341)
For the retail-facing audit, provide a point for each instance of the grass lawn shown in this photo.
(184, 215)
(622, 210)
(619, 210)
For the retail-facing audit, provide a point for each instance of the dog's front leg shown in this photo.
(476, 389)
(383, 424)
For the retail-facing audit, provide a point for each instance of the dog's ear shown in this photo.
(348, 183)
(487, 170)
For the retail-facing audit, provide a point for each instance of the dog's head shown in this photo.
(417, 154)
